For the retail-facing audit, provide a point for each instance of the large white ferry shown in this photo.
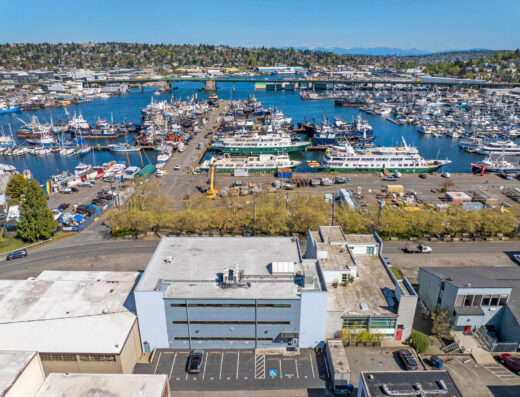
(259, 144)
(264, 163)
(405, 159)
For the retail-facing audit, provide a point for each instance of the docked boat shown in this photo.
(84, 150)
(123, 147)
(5, 108)
(263, 163)
(349, 102)
(259, 144)
(402, 159)
(495, 164)
(507, 148)
(471, 144)
(130, 173)
(82, 169)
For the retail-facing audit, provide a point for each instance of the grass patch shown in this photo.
(398, 274)
(8, 244)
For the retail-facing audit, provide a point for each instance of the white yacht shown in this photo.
(263, 163)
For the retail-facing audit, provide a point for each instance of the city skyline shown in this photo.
(403, 25)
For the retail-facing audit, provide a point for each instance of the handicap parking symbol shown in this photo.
(273, 373)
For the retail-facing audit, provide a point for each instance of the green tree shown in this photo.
(419, 341)
(16, 187)
(442, 324)
(37, 219)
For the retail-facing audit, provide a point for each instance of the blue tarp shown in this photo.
(92, 206)
(79, 218)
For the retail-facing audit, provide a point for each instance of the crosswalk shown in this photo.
(259, 366)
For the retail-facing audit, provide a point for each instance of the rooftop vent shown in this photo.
(363, 306)
(232, 278)
(168, 259)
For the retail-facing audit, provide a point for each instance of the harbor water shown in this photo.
(127, 108)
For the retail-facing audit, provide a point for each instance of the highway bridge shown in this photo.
(210, 82)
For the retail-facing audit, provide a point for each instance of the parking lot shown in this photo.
(238, 370)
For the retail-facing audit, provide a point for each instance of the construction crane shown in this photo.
(211, 192)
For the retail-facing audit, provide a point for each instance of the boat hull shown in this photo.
(249, 170)
(11, 110)
(420, 170)
(261, 150)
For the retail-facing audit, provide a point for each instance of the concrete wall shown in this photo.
(313, 318)
(184, 335)
(334, 324)
(361, 249)
(152, 319)
(406, 314)
(131, 351)
(429, 287)
(29, 380)
(81, 366)
(509, 327)
(334, 275)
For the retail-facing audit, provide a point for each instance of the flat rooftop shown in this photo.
(113, 385)
(196, 262)
(361, 239)
(369, 289)
(63, 312)
(12, 364)
(331, 234)
(338, 257)
(406, 383)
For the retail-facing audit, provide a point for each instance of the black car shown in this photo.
(63, 206)
(195, 361)
(408, 360)
(16, 255)
(74, 189)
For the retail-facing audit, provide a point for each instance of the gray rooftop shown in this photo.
(369, 288)
(405, 383)
(12, 364)
(80, 385)
(361, 239)
(189, 266)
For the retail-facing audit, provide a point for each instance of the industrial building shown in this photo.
(481, 299)
(363, 294)
(230, 292)
(21, 374)
(109, 385)
(76, 321)
(407, 384)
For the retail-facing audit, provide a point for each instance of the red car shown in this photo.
(510, 361)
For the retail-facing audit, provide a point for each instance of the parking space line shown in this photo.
(312, 365)
(156, 365)
(221, 361)
(296, 365)
(281, 373)
(173, 363)
(259, 366)
(204, 370)
(238, 362)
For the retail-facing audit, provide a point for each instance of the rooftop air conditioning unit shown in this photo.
(168, 259)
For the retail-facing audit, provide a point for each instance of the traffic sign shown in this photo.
(273, 373)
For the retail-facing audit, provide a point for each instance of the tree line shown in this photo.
(149, 209)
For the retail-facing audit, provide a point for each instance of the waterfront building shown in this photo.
(77, 321)
(484, 300)
(231, 292)
(363, 294)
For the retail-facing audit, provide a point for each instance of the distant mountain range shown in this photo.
(381, 51)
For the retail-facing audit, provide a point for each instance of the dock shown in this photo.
(394, 121)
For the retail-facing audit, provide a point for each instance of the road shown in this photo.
(92, 249)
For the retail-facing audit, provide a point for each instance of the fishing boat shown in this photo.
(67, 151)
(403, 159)
(123, 147)
(495, 164)
(82, 169)
(5, 108)
(263, 163)
(349, 102)
(259, 144)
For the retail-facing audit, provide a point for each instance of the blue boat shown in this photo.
(5, 109)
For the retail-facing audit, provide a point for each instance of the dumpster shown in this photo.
(436, 362)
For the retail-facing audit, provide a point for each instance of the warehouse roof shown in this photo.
(12, 364)
(62, 312)
(190, 266)
(113, 385)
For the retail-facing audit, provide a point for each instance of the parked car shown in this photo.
(408, 360)
(74, 189)
(510, 361)
(177, 167)
(389, 179)
(16, 255)
(516, 258)
(195, 361)
(387, 260)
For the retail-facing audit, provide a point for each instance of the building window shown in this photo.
(224, 339)
(468, 300)
(231, 322)
(233, 305)
(485, 300)
(378, 323)
(370, 250)
(503, 300)
(494, 300)
(97, 357)
(355, 323)
(459, 300)
(57, 357)
(477, 300)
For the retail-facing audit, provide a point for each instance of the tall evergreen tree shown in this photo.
(37, 219)
(16, 187)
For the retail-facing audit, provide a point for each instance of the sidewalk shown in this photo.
(255, 393)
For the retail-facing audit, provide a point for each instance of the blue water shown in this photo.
(127, 107)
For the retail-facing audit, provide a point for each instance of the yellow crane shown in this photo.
(211, 192)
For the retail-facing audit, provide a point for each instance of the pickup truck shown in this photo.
(418, 249)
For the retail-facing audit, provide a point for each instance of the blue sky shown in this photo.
(428, 25)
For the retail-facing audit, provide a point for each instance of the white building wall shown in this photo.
(152, 319)
(313, 318)
(361, 249)
(333, 275)
(29, 380)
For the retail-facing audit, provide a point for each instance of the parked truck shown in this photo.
(417, 249)
(338, 367)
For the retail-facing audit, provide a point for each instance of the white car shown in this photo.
(516, 258)
(177, 167)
